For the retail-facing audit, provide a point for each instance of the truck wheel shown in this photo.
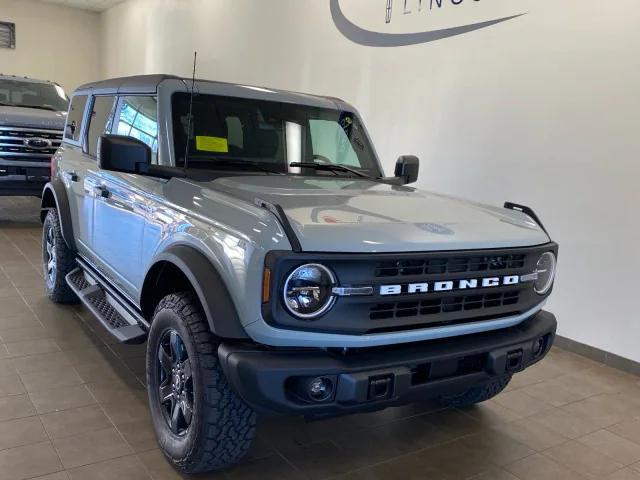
(200, 423)
(57, 259)
(478, 394)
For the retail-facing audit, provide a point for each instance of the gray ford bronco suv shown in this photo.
(32, 114)
(249, 235)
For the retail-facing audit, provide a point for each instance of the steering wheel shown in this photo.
(322, 159)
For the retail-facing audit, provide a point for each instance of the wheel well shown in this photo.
(182, 268)
(162, 279)
(48, 201)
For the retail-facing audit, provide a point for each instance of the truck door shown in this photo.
(121, 205)
(73, 166)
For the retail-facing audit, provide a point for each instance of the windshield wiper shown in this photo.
(212, 163)
(332, 167)
(2, 104)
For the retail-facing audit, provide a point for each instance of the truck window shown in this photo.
(32, 94)
(74, 118)
(99, 122)
(227, 131)
(137, 117)
(329, 139)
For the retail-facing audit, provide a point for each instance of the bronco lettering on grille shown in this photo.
(464, 284)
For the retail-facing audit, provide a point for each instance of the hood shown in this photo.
(347, 215)
(31, 117)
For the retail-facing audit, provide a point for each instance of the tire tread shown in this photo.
(229, 423)
(65, 257)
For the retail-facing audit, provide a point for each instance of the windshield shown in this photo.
(244, 134)
(47, 96)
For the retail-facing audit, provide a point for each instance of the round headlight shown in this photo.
(307, 291)
(546, 270)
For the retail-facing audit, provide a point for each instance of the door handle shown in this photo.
(101, 191)
(73, 176)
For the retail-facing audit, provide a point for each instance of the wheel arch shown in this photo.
(182, 267)
(54, 195)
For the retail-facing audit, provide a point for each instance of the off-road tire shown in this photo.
(65, 259)
(477, 394)
(222, 425)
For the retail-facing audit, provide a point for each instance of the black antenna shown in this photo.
(193, 83)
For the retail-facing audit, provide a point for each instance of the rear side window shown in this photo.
(74, 118)
(99, 122)
(137, 117)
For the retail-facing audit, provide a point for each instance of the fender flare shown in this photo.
(216, 302)
(55, 188)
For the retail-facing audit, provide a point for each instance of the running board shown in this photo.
(119, 320)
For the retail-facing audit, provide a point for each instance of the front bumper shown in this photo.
(17, 180)
(374, 378)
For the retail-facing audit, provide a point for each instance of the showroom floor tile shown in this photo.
(73, 406)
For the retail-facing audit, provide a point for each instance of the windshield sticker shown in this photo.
(212, 144)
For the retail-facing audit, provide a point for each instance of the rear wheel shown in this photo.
(201, 424)
(478, 394)
(57, 259)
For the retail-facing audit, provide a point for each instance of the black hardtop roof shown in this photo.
(136, 83)
(149, 84)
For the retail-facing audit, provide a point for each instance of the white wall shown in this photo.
(542, 110)
(52, 42)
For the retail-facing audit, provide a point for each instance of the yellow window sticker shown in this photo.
(212, 144)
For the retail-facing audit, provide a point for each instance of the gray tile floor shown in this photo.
(73, 406)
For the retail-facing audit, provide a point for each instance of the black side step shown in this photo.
(116, 318)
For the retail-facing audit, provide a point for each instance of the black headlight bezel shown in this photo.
(331, 298)
(549, 285)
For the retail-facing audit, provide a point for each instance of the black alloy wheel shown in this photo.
(50, 259)
(58, 260)
(175, 382)
(200, 422)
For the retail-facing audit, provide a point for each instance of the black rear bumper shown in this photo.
(375, 378)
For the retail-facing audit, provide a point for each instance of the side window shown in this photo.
(99, 122)
(137, 117)
(74, 118)
(330, 140)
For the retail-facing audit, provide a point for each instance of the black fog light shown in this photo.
(538, 346)
(320, 389)
(315, 389)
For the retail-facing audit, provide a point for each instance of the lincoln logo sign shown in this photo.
(372, 38)
(447, 285)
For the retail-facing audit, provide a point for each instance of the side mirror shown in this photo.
(407, 168)
(123, 154)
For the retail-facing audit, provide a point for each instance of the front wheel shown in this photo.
(200, 423)
(57, 260)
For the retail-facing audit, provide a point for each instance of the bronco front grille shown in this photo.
(401, 305)
(30, 144)
(446, 265)
(450, 304)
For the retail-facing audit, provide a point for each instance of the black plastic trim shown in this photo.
(350, 315)
(209, 287)
(280, 214)
(124, 301)
(130, 333)
(262, 376)
(527, 211)
(59, 192)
